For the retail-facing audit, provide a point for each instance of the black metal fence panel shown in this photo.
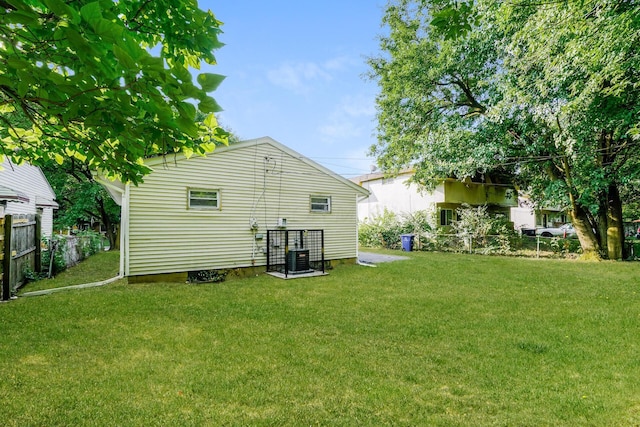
(295, 251)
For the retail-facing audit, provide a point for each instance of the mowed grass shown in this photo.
(437, 340)
(100, 266)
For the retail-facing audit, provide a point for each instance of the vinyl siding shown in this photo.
(31, 181)
(47, 222)
(165, 236)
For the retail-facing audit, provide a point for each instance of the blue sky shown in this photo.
(294, 73)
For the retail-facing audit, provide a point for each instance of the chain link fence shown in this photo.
(515, 245)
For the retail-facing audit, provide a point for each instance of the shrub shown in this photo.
(89, 242)
(384, 231)
(475, 230)
(207, 276)
(55, 245)
(31, 276)
(493, 234)
(69, 250)
(564, 246)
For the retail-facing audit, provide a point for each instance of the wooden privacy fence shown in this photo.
(20, 250)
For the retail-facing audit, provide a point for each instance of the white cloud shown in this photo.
(352, 118)
(340, 129)
(358, 106)
(340, 63)
(297, 77)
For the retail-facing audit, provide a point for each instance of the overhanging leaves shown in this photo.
(210, 82)
(82, 77)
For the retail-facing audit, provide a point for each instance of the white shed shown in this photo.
(214, 212)
(25, 190)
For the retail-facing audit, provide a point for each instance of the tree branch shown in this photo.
(472, 102)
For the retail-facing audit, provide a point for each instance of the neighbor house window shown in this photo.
(204, 199)
(320, 204)
(446, 216)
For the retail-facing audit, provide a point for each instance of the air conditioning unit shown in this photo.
(298, 260)
(281, 222)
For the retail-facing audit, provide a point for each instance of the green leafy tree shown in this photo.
(106, 82)
(631, 194)
(81, 198)
(544, 92)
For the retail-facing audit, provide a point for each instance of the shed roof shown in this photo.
(10, 195)
(44, 202)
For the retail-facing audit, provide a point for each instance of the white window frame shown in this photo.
(314, 204)
(191, 198)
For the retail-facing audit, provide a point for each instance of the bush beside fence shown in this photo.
(68, 250)
(475, 232)
(499, 245)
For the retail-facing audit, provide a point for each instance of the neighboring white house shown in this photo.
(527, 216)
(213, 212)
(393, 194)
(396, 195)
(25, 190)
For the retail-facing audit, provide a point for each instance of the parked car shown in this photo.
(565, 230)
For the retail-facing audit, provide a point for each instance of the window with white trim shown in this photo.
(204, 199)
(320, 204)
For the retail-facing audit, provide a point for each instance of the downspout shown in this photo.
(124, 233)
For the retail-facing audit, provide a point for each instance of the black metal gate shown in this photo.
(295, 251)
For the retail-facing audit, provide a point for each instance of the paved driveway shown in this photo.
(371, 258)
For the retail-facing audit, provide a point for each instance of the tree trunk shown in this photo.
(588, 239)
(108, 225)
(602, 222)
(116, 238)
(615, 227)
(581, 219)
(113, 238)
(112, 235)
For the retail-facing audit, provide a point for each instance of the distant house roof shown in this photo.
(379, 175)
(9, 195)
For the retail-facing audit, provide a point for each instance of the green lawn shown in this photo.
(100, 266)
(437, 340)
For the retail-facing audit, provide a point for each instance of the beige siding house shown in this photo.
(213, 212)
(25, 190)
